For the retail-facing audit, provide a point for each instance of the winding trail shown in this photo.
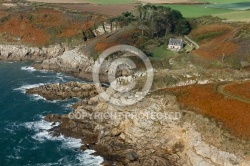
(227, 94)
(191, 41)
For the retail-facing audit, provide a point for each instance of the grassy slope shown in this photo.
(162, 52)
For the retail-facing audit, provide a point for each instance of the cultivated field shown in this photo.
(191, 11)
(243, 16)
(146, 1)
(86, 1)
(223, 1)
(189, 8)
(111, 10)
(170, 1)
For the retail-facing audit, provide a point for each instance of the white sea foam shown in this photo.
(34, 97)
(25, 87)
(40, 125)
(43, 134)
(42, 128)
(28, 68)
(32, 69)
(87, 159)
(45, 71)
(60, 76)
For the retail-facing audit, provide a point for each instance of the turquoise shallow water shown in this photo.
(24, 136)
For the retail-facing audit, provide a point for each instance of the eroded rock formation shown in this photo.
(64, 91)
(24, 53)
(147, 133)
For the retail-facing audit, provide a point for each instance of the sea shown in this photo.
(25, 139)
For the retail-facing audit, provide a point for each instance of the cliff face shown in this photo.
(23, 53)
(148, 133)
(69, 61)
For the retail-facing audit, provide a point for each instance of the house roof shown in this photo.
(176, 42)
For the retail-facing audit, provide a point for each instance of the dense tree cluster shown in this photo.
(162, 20)
(158, 20)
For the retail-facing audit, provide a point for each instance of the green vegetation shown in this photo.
(224, 9)
(162, 52)
(190, 11)
(224, 1)
(209, 36)
(236, 16)
(160, 20)
(233, 6)
(219, 8)
(106, 2)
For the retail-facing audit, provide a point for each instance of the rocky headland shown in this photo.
(133, 135)
(155, 131)
(158, 130)
(64, 91)
(25, 53)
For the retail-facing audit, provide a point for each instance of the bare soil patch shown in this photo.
(111, 10)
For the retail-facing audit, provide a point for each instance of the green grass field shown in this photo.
(224, 1)
(162, 52)
(191, 11)
(233, 6)
(236, 16)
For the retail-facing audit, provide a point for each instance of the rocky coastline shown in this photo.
(64, 91)
(25, 53)
(139, 140)
(131, 137)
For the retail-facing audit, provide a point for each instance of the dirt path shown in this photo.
(222, 91)
(191, 41)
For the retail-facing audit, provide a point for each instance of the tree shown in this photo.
(182, 27)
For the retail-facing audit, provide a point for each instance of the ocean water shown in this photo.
(24, 136)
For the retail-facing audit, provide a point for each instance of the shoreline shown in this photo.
(137, 141)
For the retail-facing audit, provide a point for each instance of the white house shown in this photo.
(175, 44)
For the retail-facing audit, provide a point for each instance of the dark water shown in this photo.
(24, 136)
